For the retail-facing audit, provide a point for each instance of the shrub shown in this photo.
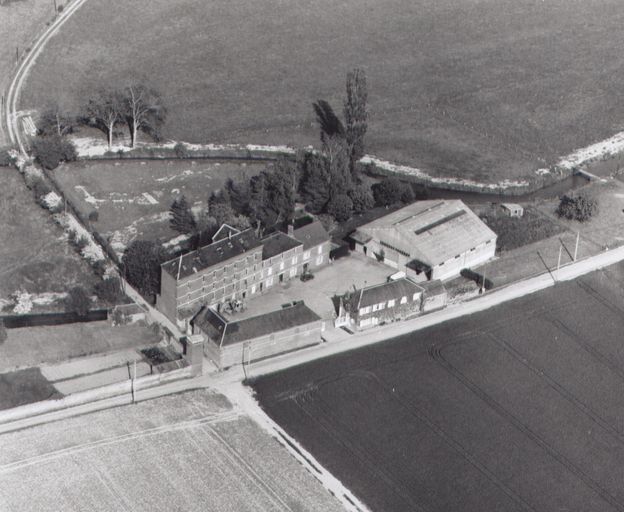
(94, 216)
(580, 208)
(362, 199)
(40, 188)
(109, 290)
(180, 150)
(340, 207)
(6, 160)
(59, 8)
(81, 242)
(49, 152)
(477, 278)
(388, 192)
(78, 301)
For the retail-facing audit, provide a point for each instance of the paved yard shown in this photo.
(336, 278)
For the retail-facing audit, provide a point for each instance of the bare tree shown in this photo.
(143, 111)
(104, 111)
(54, 121)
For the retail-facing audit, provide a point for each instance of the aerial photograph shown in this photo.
(311, 256)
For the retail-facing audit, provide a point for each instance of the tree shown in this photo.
(143, 111)
(340, 207)
(182, 219)
(331, 126)
(3, 332)
(315, 183)
(220, 207)
(50, 151)
(53, 121)
(580, 208)
(104, 111)
(141, 264)
(240, 195)
(78, 301)
(362, 198)
(355, 115)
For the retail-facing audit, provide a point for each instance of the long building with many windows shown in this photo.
(237, 267)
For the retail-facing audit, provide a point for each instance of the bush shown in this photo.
(94, 216)
(477, 278)
(180, 150)
(6, 160)
(109, 290)
(580, 208)
(340, 207)
(388, 192)
(362, 199)
(40, 188)
(78, 301)
(49, 152)
(81, 242)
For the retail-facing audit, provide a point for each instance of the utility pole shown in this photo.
(578, 235)
(559, 261)
(16, 55)
(55, 8)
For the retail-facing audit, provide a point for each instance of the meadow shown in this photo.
(132, 198)
(485, 89)
(515, 408)
(35, 255)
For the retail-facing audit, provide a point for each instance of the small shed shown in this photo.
(513, 209)
(434, 296)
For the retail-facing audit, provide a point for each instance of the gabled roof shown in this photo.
(431, 232)
(277, 243)
(311, 234)
(385, 292)
(225, 231)
(226, 333)
(212, 254)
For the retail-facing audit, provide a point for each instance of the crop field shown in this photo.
(133, 198)
(187, 452)
(517, 408)
(35, 256)
(485, 89)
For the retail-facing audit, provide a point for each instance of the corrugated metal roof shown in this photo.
(430, 231)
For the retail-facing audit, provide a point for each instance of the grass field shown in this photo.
(516, 408)
(133, 198)
(34, 254)
(20, 22)
(187, 452)
(24, 387)
(32, 346)
(487, 89)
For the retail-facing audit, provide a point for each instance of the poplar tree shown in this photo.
(355, 115)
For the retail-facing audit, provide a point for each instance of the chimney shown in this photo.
(291, 229)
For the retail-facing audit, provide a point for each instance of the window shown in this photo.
(365, 311)
(403, 300)
(382, 306)
(415, 296)
(391, 303)
(269, 271)
(319, 260)
(294, 260)
(306, 255)
(320, 249)
(281, 265)
(293, 272)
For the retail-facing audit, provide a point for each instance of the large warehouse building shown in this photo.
(428, 239)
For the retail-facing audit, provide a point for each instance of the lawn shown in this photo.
(25, 387)
(516, 408)
(486, 89)
(20, 22)
(132, 198)
(188, 452)
(34, 253)
(32, 346)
